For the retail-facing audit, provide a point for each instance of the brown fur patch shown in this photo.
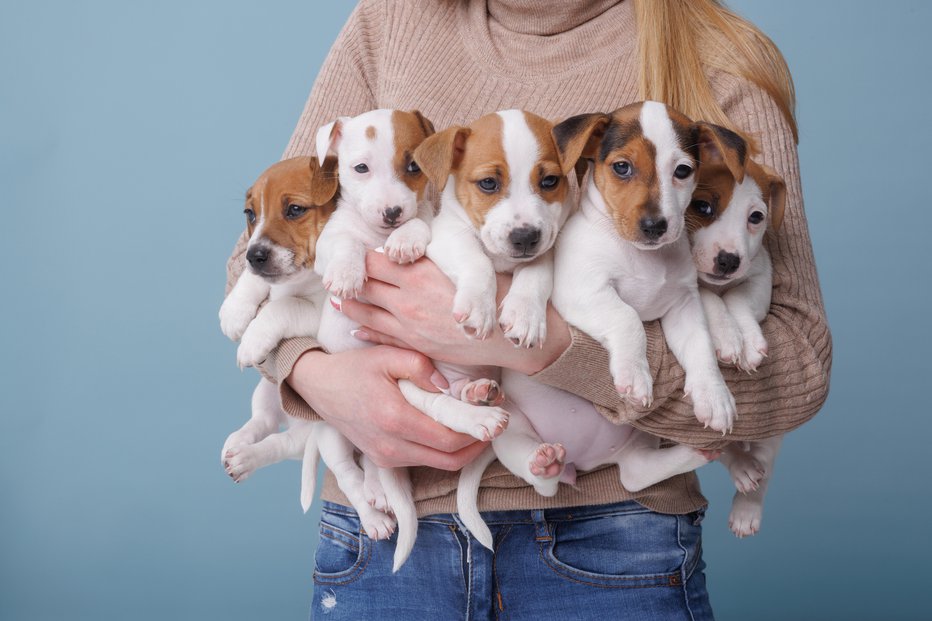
(410, 130)
(716, 184)
(548, 159)
(371, 133)
(296, 181)
(483, 156)
(773, 191)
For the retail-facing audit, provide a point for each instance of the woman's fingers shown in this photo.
(371, 335)
(380, 267)
(370, 315)
(413, 454)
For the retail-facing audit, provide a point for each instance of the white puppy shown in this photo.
(727, 219)
(286, 209)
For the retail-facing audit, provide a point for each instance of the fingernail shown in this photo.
(438, 380)
(336, 303)
(360, 334)
(380, 250)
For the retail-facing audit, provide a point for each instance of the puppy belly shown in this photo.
(559, 416)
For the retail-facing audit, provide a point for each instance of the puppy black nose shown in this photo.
(524, 239)
(653, 229)
(390, 215)
(726, 263)
(257, 256)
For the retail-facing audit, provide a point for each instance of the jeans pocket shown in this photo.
(342, 552)
(625, 550)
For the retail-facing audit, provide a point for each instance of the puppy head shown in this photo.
(643, 159)
(378, 175)
(729, 210)
(286, 209)
(507, 177)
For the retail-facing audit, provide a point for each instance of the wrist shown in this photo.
(308, 366)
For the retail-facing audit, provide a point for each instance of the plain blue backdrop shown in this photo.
(128, 134)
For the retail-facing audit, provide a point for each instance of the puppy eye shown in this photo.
(683, 171)
(702, 208)
(412, 168)
(250, 215)
(622, 169)
(361, 168)
(756, 217)
(549, 182)
(295, 211)
(489, 185)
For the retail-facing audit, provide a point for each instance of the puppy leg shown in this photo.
(748, 303)
(747, 508)
(408, 242)
(523, 452)
(372, 486)
(482, 423)
(642, 463)
(241, 304)
(523, 317)
(343, 265)
(724, 331)
(279, 319)
(687, 334)
(339, 455)
(267, 415)
(241, 461)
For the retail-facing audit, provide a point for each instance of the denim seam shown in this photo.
(338, 541)
(504, 532)
(589, 578)
(352, 574)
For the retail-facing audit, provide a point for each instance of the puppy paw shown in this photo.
(345, 279)
(235, 439)
(375, 496)
(475, 313)
(406, 245)
(713, 404)
(633, 381)
(241, 461)
(483, 392)
(255, 346)
(547, 461)
(726, 340)
(488, 423)
(235, 317)
(745, 517)
(745, 471)
(524, 321)
(754, 349)
(377, 525)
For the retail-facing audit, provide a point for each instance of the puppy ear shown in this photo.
(441, 154)
(578, 137)
(328, 138)
(324, 180)
(776, 198)
(720, 145)
(426, 125)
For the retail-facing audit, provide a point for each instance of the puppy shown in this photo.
(735, 202)
(286, 209)
(505, 198)
(627, 242)
(383, 204)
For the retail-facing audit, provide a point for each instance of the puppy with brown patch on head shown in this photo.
(286, 209)
(383, 203)
(736, 200)
(622, 259)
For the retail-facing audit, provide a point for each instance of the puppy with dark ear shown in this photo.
(441, 153)
(720, 145)
(577, 139)
(776, 197)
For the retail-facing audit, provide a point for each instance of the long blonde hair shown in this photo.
(680, 40)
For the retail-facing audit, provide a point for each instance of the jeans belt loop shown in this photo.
(541, 528)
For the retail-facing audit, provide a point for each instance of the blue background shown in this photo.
(128, 134)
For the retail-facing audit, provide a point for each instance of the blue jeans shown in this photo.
(605, 562)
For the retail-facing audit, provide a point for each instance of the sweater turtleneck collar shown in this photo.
(545, 17)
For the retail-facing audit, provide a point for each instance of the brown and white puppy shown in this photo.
(622, 259)
(735, 202)
(286, 210)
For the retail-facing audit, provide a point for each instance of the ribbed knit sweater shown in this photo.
(457, 60)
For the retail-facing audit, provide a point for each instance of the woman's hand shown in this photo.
(411, 307)
(357, 392)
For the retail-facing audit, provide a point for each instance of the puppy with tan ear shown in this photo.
(735, 202)
(286, 209)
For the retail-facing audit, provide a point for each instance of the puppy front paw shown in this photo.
(235, 317)
(406, 244)
(713, 404)
(754, 349)
(255, 346)
(475, 313)
(633, 380)
(726, 339)
(345, 279)
(524, 321)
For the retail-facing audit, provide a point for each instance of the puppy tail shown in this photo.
(467, 492)
(397, 486)
(309, 469)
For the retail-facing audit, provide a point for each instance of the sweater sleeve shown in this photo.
(345, 86)
(792, 384)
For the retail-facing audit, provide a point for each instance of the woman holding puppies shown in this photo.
(579, 554)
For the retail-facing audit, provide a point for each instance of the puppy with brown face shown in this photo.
(622, 259)
(286, 209)
(735, 202)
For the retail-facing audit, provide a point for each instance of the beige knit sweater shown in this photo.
(456, 60)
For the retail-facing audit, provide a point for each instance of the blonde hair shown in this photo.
(680, 40)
